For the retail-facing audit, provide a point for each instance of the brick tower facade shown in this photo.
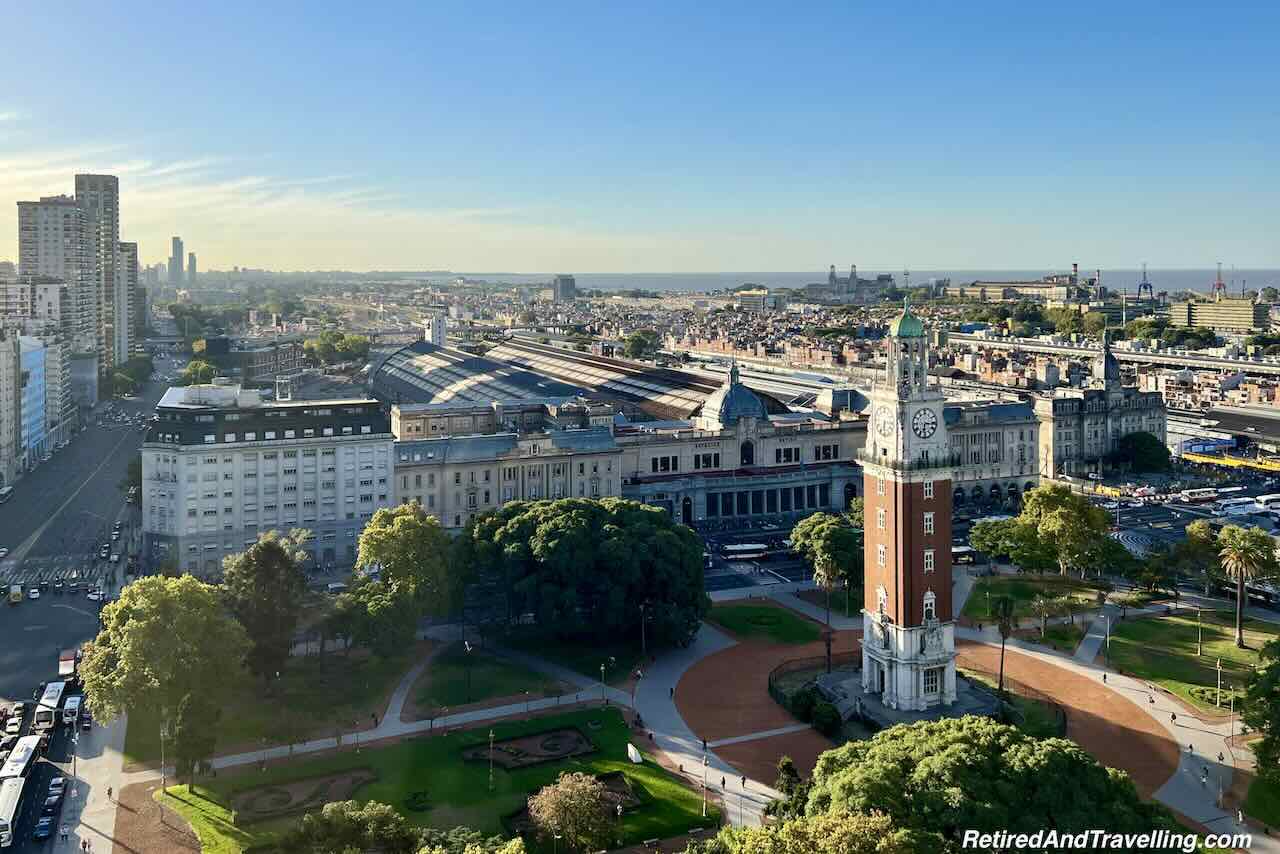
(908, 649)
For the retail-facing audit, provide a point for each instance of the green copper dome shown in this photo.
(906, 325)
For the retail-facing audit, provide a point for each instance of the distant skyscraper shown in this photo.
(53, 240)
(564, 288)
(99, 197)
(175, 263)
(126, 310)
(191, 268)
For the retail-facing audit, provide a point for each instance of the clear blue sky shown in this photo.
(658, 137)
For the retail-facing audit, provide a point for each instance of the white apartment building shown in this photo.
(43, 306)
(99, 197)
(220, 465)
(53, 241)
(10, 402)
(125, 309)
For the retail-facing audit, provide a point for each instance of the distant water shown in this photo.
(1162, 280)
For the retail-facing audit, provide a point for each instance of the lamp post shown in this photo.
(1199, 635)
(466, 646)
(704, 785)
(1217, 698)
(164, 731)
(491, 760)
(602, 682)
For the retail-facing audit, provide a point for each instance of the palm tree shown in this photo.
(1002, 610)
(825, 575)
(1245, 552)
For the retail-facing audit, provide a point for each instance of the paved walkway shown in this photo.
(89, 814)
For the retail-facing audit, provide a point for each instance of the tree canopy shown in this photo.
(343, 826)
(332, 346)
(163, 639)
(1245, 553)
(832, 547)
(264, 586)
(196, 372)
(412, 554)
(576, 807)
(195, 734)
(1141, 452)
(582, 567)
(1056, 521)
(941, 778)
(1262, 710)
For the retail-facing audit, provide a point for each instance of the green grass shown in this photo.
(1034, 717)
(308, 686)
(1163, 650)
(1063, 637)
(1022, 589)
(210, 820)
(1263, 801)
(459, 790)
(765, 622)
(491, 676)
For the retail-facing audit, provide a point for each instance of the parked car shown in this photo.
(33, 593)
(44, 828)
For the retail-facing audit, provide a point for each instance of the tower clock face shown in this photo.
(885, 420)
(924, 423)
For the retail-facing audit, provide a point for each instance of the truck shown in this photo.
(68, 659)
(15, 594)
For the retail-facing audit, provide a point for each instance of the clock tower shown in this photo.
(908, 640)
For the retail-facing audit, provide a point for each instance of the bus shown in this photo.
(6, 492)
(22, 758)
(1198, 496)
(744, 551)
(71, 711)
(11, 792)
(1235, 506)
(68, 660)
(963, 554)
(1269, 502)
(47, 710)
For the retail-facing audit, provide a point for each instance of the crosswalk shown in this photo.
(51, 568)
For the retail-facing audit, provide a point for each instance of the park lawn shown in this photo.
(445, 680)
(209, 820)
(844, 602)
(1022, 589)
(1064, 637)
(1163, 650)
(1263, 801)
(458, 790)
(584, 656)
(751, 621)
(308, 686)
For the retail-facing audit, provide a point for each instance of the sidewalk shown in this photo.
(89, 814)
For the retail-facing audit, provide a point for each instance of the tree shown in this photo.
(641, 343)
(195, 734)
(197, 372)
(1064, 521)
(1262, 710)
(827, 833)
(1142, 452)
(385, 620)
(856, 512)
(834, 552)
(795, 792)
(971, 773)
(410, 550)
(582, 567)
(464, 840)
(344, 826)
(122, 384)
(576, 808)
(1002, 611)
(1197, 553)
(1245, 553)
(264, 586)
(163, 639)
(994, 537)
(1043, 607)
(1270, 294)
(1094, 323)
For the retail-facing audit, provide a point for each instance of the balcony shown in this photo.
(944, 461)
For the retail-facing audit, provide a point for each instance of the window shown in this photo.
(928, 489)
(880, 518)
(928, 523)
(932, 680)
(928, 560)
(879, 486)
(880, 555)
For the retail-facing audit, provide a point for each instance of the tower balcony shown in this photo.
(940, 461)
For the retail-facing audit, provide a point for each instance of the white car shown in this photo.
(4, 553)
(95, 596)
(33, 593)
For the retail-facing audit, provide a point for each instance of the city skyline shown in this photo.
(667, 141)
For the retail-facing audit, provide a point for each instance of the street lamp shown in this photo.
(164, 731)
(644, 649)
(704, 785)
(491, 760)
(1199, 635)
(466, 646)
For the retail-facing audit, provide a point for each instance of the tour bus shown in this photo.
(11, 792)
(6, 492)
(21, 758)
(1235, 506)
(1198, 496)
(71, 711)
(1269, 502)
(47, 710)
(744, 551)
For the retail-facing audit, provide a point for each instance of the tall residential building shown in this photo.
(42, 305)
(191, 268)
(99, 196)
(33, 441)
(220, 465)
(126, 320)
(53, 241)
(175, 263)
(564, 288)
(10, 401)
(1229, 316)
(908, 649)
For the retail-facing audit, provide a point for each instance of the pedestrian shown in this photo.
(673, 692)
(108, 793)
(744, 781)
(1173, 717)
(722, 782)
(1104, 679)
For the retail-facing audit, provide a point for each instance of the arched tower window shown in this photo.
(748, 453)
(930, 606)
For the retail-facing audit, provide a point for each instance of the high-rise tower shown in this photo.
(191, 268)
(175, 264)
(99, 197)
(908, 648)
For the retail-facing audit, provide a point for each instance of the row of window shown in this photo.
(757, 502)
